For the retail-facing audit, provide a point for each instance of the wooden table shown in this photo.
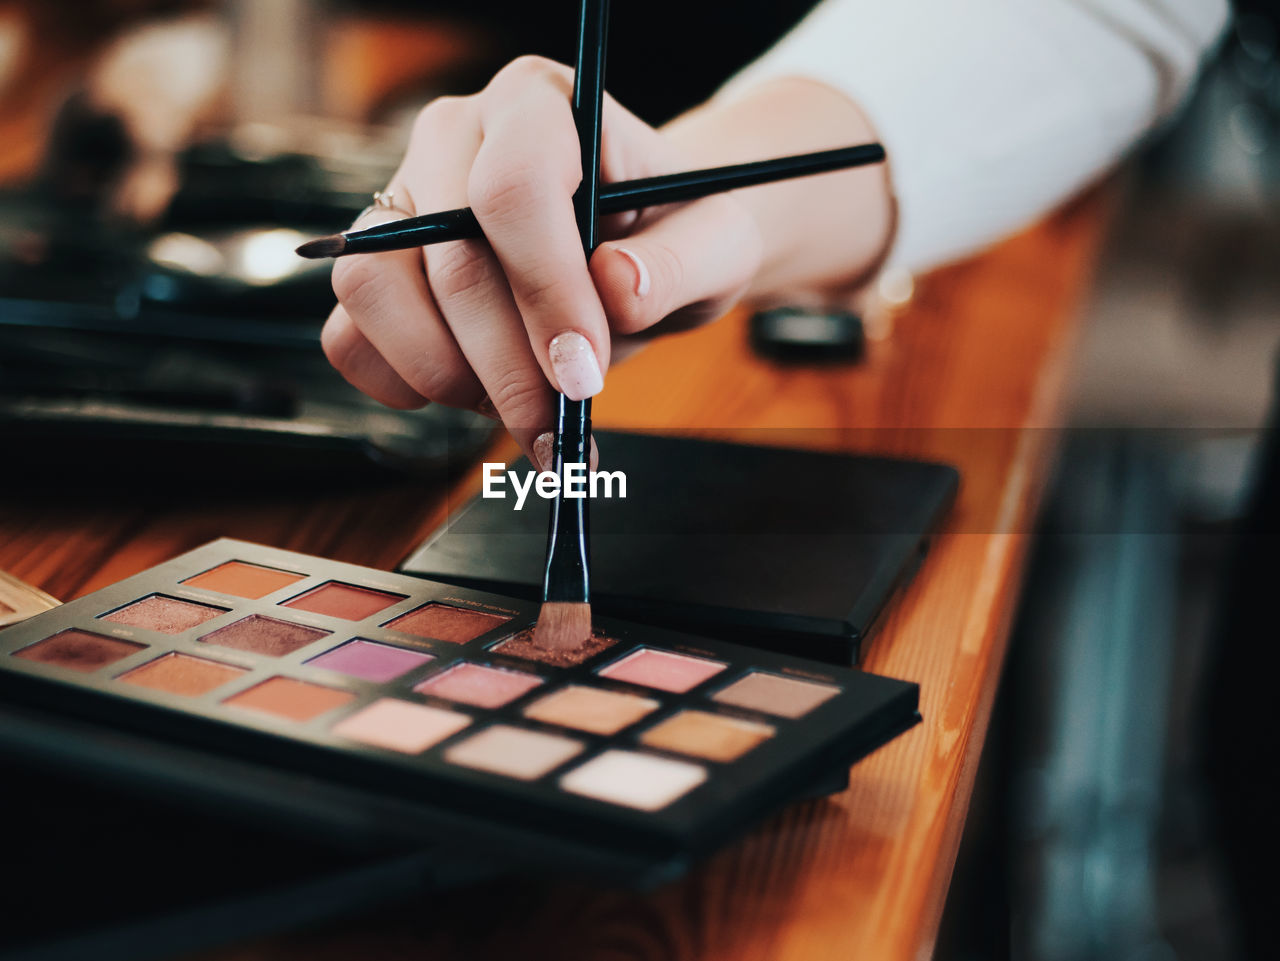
(972, 374)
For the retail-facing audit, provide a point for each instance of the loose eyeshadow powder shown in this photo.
(478, 685)
(241, 579)
(401, 726)
(710, 736)
(515, 752)
(663, 670)
(163, 614)
(78, 650)
(286, 697)
(264, 635)
(634, 780)
(370, 660)
(522, 645)
(774, 694)
(347, 601)
(182, 674)
(590, 709)
(444, 622)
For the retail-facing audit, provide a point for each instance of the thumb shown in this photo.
(700, 256)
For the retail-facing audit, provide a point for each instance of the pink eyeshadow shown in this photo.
(166, 615)
(370, 660)
(481, 686)
(664, 670)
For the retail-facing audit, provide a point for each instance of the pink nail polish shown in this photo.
(574, 363)
(642, 272)
(544, 449)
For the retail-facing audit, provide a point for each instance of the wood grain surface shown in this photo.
(972, 374)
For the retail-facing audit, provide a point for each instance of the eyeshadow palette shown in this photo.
(797, 551)
(399, 710)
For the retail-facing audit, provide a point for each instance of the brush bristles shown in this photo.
(323, 247)
(563, 625)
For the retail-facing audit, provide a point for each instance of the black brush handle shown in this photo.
(461, 224)
(568, 573)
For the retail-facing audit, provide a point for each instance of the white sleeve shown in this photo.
(994, 111)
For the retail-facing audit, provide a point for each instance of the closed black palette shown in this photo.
(797, 551)
(394, 710)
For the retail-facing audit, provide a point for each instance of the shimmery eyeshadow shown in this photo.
(401, 726)
(444, 622)
(710, 736)
(664, 670)
(590, 709)
(774, 694)
(513, 751)
(241, 579)
(347, 601)
(78, 650)
(163, 614)
(482, 686)
(286, 697)
(370, 660)
(634, 780)
(521, 645)
(264, 635)
(182, 674)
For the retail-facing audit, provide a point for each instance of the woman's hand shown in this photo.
(495, 326)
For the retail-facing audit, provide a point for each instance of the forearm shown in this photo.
(819, 232)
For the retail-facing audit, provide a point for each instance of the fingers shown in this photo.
(386, 299)
(521, 188)
(362, 366)
(467, 282)
(696, 261)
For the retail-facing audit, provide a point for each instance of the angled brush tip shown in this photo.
(323, 247)
(563, 625)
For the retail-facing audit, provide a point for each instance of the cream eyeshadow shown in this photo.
(513, 751)
(634, 780)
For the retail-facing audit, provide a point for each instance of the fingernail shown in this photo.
(544, 451)
(595, 455)
(576, 368)
(485, 408)
(642, 272)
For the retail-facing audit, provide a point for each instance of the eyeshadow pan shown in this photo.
(264, 635)
(513, 751)
(286, 697)
(590, 709)
(401, 726)
(371, 660)
(78, 650)
(711, 736)
(347, 601)
(774, 694)
(521, 645)
(444, 622)
(634, 780)
(664, 670)
(242, 579)
(481, 686)
(164, 614)
(182, 674)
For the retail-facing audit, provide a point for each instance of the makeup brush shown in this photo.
(461, 224)
(564, 623)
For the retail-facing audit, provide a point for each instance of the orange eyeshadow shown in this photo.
(444, 622)
(285, 697)
(182, 674)
(244, 580)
